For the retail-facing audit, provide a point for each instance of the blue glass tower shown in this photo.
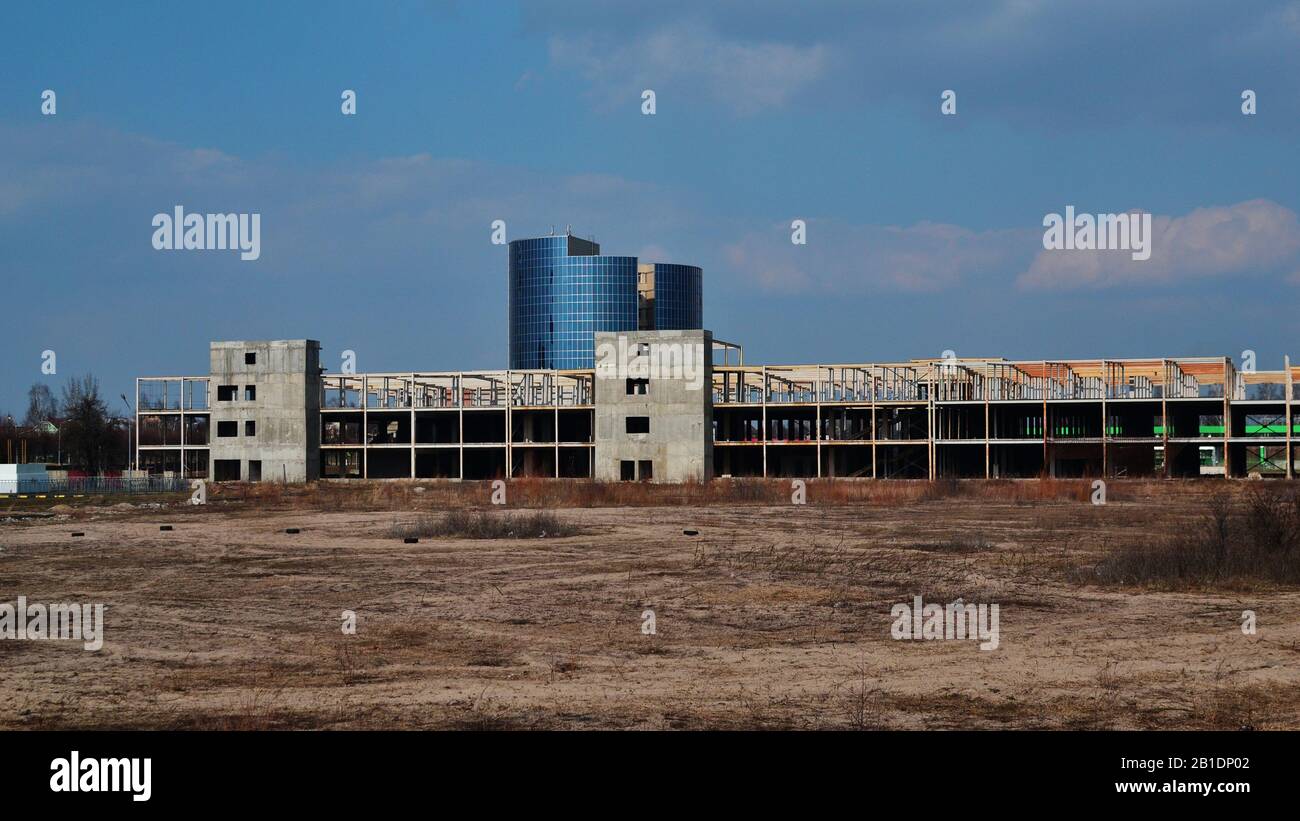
(562, 291)
(678, 297)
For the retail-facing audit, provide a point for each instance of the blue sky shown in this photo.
(924, 230)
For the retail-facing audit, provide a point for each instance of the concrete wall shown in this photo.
(286, 408)
(678, 402)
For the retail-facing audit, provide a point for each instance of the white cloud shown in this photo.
(861, 259)
(388, 216)
(1253, 237)
(753, 55)
(745, 76)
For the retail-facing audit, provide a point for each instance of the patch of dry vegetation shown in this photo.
(466, 524)
(584, 493)
(1239, 544)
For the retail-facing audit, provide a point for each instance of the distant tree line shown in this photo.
(87, 435)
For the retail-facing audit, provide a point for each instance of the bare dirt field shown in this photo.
(773, 616)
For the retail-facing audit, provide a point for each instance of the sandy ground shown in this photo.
(769, 618)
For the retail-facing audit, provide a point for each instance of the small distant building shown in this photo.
(32, 444)
(24, 479)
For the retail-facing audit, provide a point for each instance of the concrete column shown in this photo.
(1164, 420)
(1286, 363)
(510, 466)
(137, 427)
(763, 439)
(987, 433)
(1229, 386)
(1105, 434)
(365, 426)
(873, 430)
(182, 409)
(817, 425)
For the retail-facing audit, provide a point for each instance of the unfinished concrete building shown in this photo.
(659, 406)
(254, 417)
(922, 419)
(994, 418)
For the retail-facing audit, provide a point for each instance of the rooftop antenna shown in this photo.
(552, 230)
(568, 230)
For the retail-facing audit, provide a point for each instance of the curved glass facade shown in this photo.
(561, 293)
(679, 299)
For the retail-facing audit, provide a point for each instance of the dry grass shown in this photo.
(465, 524)
(964, 543)
(773, 616)
(863, 701)
(1239, 544)
(432, 494)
